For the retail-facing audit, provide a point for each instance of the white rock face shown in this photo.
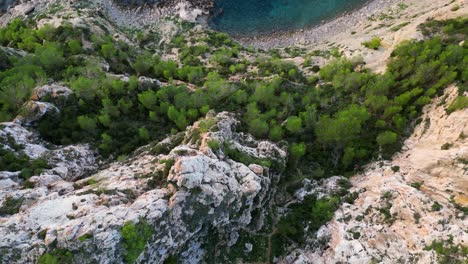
(182, 194)
(71, 162)
(14, 132)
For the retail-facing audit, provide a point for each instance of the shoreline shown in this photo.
(284, 31)
(311, 35)
(318, 33)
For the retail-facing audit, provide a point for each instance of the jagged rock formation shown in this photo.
(407, 203)
(181, 186)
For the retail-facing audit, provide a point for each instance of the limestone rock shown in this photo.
(33, 111)
(53, 91)
(183, 195)
(361, 233)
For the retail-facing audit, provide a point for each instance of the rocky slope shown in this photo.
(408, 202)
(196, 194)
(180, 187)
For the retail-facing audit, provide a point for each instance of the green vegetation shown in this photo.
(461, 102)
(446, 146)
(386, 198)
(85, 237)
(214, 145)
(171, 260)
(308, 215)
(436, 206)
(455, 8)
(448, 252)
(244, 158)
(399, 26)
(374, 43)
(333, 120)
(312, 213)
(57, 256)
(11, 206)
(13, 158)
(451, 31)
(416, 185)
(259, 245)
(334, 124)
(134, 239)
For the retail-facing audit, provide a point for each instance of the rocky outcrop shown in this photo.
(51, 91)
(407, 203)
(33, 111)
(66, 163)
(183, 187)
(42, 102)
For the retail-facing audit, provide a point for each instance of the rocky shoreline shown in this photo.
(319, 33)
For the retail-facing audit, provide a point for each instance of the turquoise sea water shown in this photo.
(257, 17)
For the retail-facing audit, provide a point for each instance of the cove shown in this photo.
(260, 17)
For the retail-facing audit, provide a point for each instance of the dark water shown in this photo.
(253, 17)
(5, 3)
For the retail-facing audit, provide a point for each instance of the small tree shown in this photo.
(258, 128)
(297, 150)
(374, 43)
(387, 138)
(86, 123)
(108, 50)
(294, 124)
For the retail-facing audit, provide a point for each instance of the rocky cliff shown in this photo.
(180, 189)
(408, 204)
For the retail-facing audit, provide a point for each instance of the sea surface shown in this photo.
(260, 17)
(5, 3)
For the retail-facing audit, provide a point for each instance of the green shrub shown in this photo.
(214, 145)
(134, 239)
(399, 26)
(85, 237)
(244, 158)
(448, 252)
(455, 8)
(446, 146)
(311, 212)
(436, 207)
(387, 138)
(57, 256)
(372, 44)
(297, 150)
(11, 206)
(416, 185)
(461, 102)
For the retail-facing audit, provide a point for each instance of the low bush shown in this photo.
(372, 44)
(134, 239)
